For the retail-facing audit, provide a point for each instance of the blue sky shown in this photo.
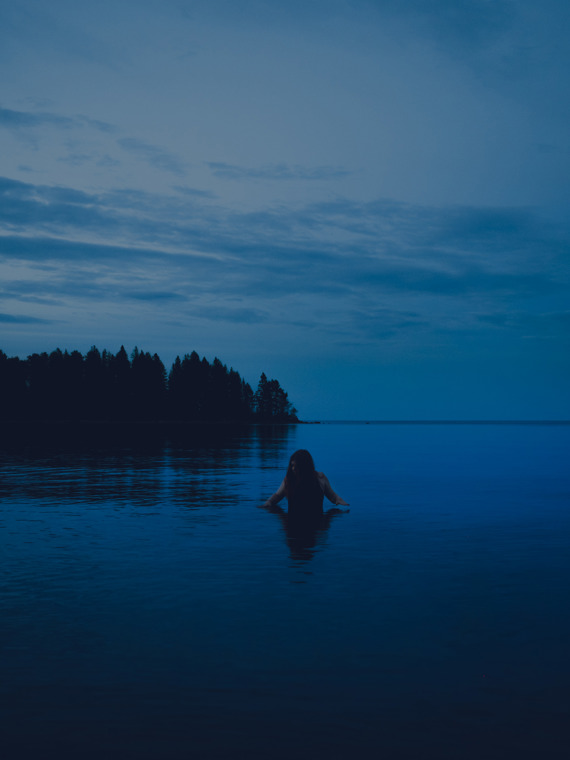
(367, 200)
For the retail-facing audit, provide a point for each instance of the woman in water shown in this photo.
(304, 488)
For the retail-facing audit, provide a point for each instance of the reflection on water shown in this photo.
(140, 464)
(303, 536)
(150, 609)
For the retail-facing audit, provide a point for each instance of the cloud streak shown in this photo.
(374, 270)
(16, 120)
(153, 155)
(277, 172)
(25, 120)
(18, 319)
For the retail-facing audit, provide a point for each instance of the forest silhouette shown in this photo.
(102, 386)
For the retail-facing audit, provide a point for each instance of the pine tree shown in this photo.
(101, 386)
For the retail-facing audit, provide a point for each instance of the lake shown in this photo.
(150, 609)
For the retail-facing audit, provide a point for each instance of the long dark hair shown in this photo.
(301, 475)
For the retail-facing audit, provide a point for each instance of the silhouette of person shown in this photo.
(305, 489)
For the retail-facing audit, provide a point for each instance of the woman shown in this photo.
(304, 488)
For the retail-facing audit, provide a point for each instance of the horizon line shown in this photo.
(438, 422)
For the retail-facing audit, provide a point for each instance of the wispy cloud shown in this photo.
(155, 156)
(17, 120)
(24, 119)
(550, 323)
(220, 312)
(155, 295)
(19, 319)
(277, 172)
(30, 127)
(192, 192)
(372, 269)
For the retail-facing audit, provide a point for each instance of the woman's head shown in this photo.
(301, 467)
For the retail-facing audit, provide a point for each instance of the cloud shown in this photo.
(17, 120)
(347, 271)
(379, 322)
(18, 319)
(194, 193)
(155, 295)
(101, 126)
(35, 129)
(277, 172)
(383, 236)
(38, 208)
(221, 313)
(156, 157)
(553, 324)
(22, 119)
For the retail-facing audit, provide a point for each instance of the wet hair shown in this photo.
(303, 477)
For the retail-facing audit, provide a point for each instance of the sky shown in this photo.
(365, 199)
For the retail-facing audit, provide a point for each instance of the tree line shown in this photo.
(102, 386)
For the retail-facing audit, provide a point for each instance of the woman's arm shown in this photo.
(328, 492)
(276, 497)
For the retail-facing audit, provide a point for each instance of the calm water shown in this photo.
(149, 609)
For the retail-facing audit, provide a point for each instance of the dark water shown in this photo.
(149, 609)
